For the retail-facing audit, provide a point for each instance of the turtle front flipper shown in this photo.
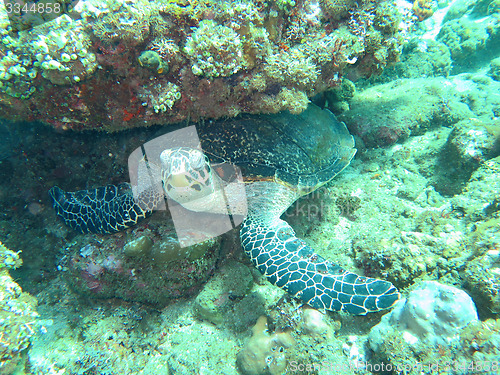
(291, 264)
(104, 210)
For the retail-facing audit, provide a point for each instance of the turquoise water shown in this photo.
(417, 86)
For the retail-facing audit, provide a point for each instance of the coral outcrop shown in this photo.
(18, 318)
(432, 314)
(120, 63)
(150, 266)
(265, 352)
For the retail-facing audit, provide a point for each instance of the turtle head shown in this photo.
(186, 174)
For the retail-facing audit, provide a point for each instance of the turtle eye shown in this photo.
(197, 160)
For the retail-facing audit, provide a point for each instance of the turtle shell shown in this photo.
(300, 151)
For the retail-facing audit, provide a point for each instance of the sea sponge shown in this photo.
(152, 60)
(433, 314)
(265, 352)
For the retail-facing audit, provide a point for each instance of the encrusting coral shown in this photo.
(18, 318)
(125, 63)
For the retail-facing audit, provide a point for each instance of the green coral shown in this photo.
(16, 68)
(214, 50)
(59, 50)
(63, 55)
(17, 315)
(162, 97)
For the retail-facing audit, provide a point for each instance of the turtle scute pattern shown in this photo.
(107, 209)
(288, 262)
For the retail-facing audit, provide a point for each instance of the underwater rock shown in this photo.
(471, 39)
(151, 267)
(139, 247)
(384, 114)
(420, 58)
(432, 314)
(479, 199)
(470, 143)
(494, 71)
(481, 343)
(482, 275)
(387, 113)
(233, 280)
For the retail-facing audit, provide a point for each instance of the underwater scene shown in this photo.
(243, 187)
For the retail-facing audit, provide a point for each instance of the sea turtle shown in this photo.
(282, 157)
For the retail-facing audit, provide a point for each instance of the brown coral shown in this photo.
(423, 9)
(264, 353)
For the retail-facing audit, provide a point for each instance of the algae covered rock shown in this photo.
(482, 275)
(495, 69)
(480, 199)
(232, 281)
(150, 267)
(385, 114)
(470, 143)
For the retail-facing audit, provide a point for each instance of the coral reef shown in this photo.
(423, 207)
(214, 50)
(18, 318)
(120, 64)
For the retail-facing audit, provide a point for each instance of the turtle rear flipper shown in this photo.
(107, 209)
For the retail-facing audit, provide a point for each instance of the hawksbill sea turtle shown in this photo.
(281, 157)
